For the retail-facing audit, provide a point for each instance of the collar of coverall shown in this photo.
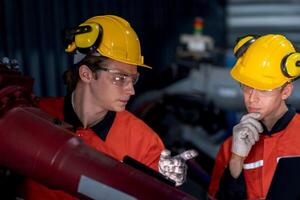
(101, 128)
(282, 123)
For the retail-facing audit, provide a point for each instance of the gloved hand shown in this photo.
(245, 134)
(175, 167)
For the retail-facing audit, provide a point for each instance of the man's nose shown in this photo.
(253, 95)
(129, 88)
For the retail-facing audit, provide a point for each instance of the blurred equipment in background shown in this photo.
(263, 17)
(196, 45)
(41, 147)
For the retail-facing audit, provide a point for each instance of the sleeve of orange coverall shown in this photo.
(153, 149)
(223, 185)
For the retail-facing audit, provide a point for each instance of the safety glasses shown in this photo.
(119, 78)
(249, 90)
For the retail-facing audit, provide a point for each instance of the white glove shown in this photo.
(245, 134)
(175, 167)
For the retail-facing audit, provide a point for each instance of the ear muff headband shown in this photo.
(290, 65)
(241, 50)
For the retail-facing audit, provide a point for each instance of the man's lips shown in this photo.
(252, 109)
(123, 101)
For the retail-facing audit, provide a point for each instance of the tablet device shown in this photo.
(140, 166)
(286, 180)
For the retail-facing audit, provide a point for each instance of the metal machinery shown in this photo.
(36, 145)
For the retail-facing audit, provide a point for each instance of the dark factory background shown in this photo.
(31, 31)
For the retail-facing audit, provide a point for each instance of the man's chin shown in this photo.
(120, 108)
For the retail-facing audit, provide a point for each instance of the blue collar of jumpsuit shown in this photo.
(281, 123)
(101, 128)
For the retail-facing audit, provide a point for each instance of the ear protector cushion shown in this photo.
(86, 37)
(90, 38)
(290, 65)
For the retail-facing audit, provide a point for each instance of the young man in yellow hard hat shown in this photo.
(245, 164)
(106, 55)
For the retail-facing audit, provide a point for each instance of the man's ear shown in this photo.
(287, 91)
(85, 73)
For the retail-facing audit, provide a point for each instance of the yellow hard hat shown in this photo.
(111, 36)
(265, 62)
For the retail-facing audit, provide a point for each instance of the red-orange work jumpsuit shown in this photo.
(118, 134)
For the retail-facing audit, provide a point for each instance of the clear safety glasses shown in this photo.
(249, 90)
(120, 78)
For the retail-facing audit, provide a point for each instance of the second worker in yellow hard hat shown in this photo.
(244, 167)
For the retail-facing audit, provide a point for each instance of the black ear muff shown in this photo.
(290, 65)
(85, 37)
(68, 35)
(243, 44)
